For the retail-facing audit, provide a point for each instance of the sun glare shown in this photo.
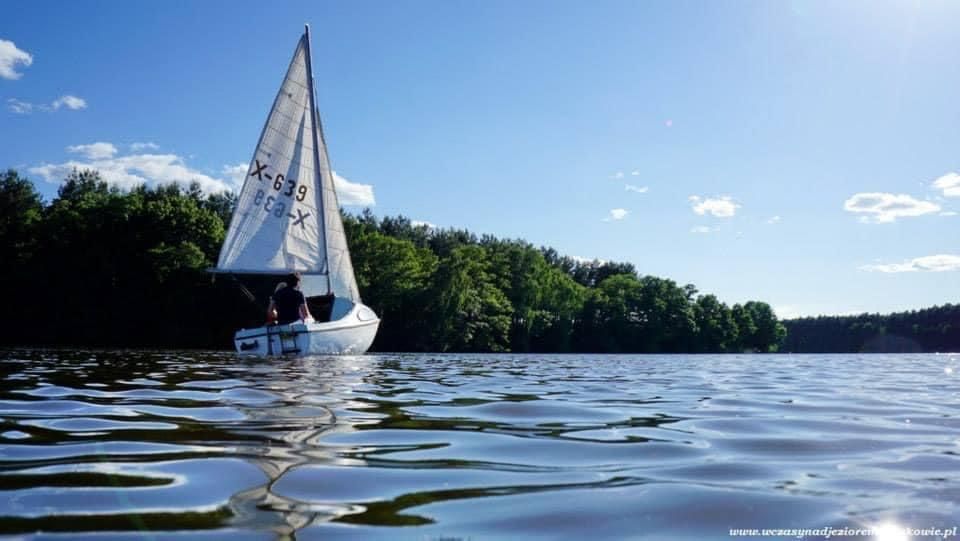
(889, 531)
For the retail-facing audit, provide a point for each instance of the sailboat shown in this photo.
(288, 220)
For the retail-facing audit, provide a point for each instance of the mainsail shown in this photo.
(287, 216)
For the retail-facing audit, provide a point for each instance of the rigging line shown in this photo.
(246, 292)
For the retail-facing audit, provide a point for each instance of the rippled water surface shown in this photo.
(210, 445)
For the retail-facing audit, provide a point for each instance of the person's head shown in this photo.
(293, 279)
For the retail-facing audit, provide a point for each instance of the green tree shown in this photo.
(393, 276)
(769, 332)
(716, 328)
(469, 312)
(20, 212)
(746, 328)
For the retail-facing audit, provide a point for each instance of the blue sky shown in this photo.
(800, 153)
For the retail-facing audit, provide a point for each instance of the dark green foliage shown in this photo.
(468, 312)
(20, 212)
(717, 329)
(115, 268)
(100, 266)
(767, 331)
(929, 330)
(394, 276)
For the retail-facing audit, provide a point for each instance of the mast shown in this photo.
(316, 155)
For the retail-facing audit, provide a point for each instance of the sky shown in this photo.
(805, 154)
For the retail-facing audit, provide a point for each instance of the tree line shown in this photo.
(102, 266)
(928, 330)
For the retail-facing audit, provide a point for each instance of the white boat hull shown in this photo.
(350, 335)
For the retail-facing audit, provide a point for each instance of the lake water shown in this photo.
(201, 445)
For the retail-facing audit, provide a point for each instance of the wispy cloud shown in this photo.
(774, 220)
(25, 108)
(10, 56)
(94, 151)
(616, 214)
(880, 208)
(720, 207)
(617, 176)
(930, 263)
(421, 223)
(137, 147)
(949, 184)
(20, 107)
(948, 213)
(703, 230)
(637, 189)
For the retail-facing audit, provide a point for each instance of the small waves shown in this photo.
(104, 444)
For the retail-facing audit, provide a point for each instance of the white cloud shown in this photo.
(637, 189)
(421, 223)
(132, 170)
(720, 207)
(153, 169)
(25, 108)
(949, 184)
(585, 260)
(774, 220)
(887, 207)
(137, 147)
(351, 193)
(702, 229)
(948, 213)
(236, 174)
(95, 151)
(930, 263)
(618, 175)
(70, 102)
(635, 173)
(10, 56)
(616, 214)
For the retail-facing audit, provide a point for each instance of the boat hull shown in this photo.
(350, 335)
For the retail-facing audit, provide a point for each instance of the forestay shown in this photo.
(287, 216)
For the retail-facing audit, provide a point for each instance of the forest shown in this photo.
(935, 329)
(100, 266)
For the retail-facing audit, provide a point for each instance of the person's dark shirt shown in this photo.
(288, 301)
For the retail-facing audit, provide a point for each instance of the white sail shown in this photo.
(287, 216)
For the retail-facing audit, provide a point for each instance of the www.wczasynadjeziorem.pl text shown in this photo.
(877, 532)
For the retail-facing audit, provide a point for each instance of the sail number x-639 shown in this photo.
(273, 204)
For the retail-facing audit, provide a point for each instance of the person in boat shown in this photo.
(289, 302)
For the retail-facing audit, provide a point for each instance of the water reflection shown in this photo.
(404, 446)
